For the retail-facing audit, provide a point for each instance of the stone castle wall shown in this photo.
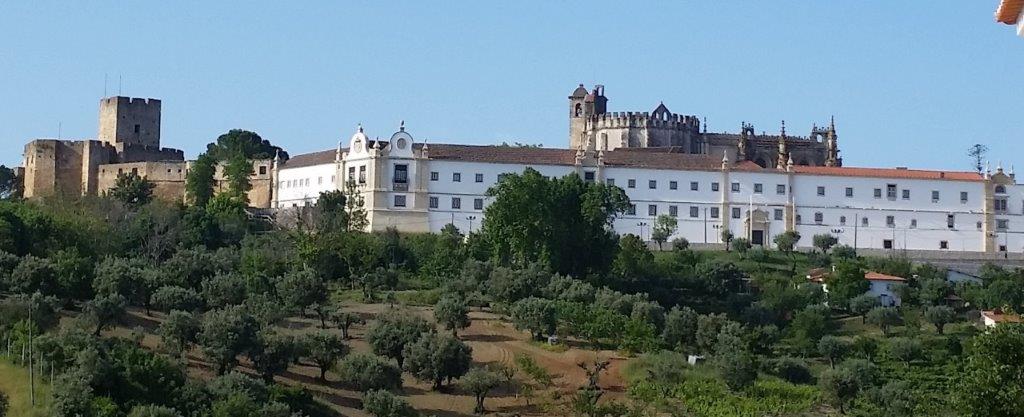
(130, 120)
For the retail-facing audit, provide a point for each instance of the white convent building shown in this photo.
(416, 187)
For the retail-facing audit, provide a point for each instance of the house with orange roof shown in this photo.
(993, 318)
(882, 286)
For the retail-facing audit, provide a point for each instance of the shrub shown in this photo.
(365, 372)
(791, 369)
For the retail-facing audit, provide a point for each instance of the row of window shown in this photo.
(890, 193)
(301, 182)
(434, 202)
(457, 176)
(780, 189)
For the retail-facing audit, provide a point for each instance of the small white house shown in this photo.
(991, 318)
(881, 285)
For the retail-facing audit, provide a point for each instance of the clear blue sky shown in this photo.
(910, 83)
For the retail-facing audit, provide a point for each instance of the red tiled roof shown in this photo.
(999, 316)
(1009, 11)
(915, 174)
(502, 154)
(310, 159)
(875, 276)
(671, 160)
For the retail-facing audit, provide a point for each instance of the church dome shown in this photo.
(580, 91)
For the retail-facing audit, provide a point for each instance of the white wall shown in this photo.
(300, 186)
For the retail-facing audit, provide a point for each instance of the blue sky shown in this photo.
(910, 83)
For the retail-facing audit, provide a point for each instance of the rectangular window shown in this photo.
(456, 177)
(842, 220)
(1000, 205)
(631, 183)
(735, 187)
(631, 210)
(652, 210)
(979, 225)
(714, 186)
(433, 202)
(434, 175)
(890, 221)
(694, 211)
(849, 191)
(588, 176)
(758, 188)
(735, 212)
(963, 196)
(714, 212)
(818, 217)
(935, 196)
(401, 173)
(943, 244)
(878, 193)
(652, 184)
(821, 190)
(906, 194)
(456, 203)
(478, 204)
(672, 185)
(890, 191)
(694, 186)
(138, 128)
(263, 170)
(777, 214)
(673, 211)
(913, 223)
(780, 189)
(478, 177)
(864, 221)
(319, 180)
(362, 174)
(887, 244)
(1002, 224)
(799, 220)
(610, 181)
(1002, 248)
(399, 201)
(950, 221)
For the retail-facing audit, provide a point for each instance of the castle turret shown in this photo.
(130, 121)
(783, 156)
(832, 145)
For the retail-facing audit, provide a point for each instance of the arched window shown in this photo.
(579, 109)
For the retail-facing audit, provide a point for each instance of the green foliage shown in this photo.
(904, 349)
(324, 349)
(883, 318)
(243, 142)
(862, 304)
(152, 411)
(436, 358)
(846, 283)
(452, 313)
(538, 315)
(389, 335)
(664, 227)
(824, 242)
(786, 241)
(173, 297)
(104, 310)
(939, 316)
(990, 384)
(5, 402)
(34, 275)
(132, 190)
(633, 260)
(741, 246)
(179, 331)
(844, 252)
(225, 334)
(381, 403)
(567, 229)
(833, 349)
(199, 180)
(237, 169)
(364, 372)
(702, 396)
(356, 219)
(839, 387)
(809, 326)
(509, 285)
(480, 382)
(529, 366)
(793, 370)
(680, 333)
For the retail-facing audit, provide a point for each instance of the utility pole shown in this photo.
(705, 225)
(31, 371)
(856, 224)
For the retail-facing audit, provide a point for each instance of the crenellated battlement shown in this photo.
(643, 119)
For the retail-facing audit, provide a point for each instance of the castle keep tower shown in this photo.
(130, 121)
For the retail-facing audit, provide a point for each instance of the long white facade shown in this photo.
(421, 188)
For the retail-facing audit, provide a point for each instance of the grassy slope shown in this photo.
(14, 383)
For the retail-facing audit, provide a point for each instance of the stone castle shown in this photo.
(593, 127)
(128, 142)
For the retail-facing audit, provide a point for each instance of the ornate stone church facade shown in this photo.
(593, 127)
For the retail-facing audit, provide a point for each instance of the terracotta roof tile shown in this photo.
(1009, 11)
(889, 173)
(876, 276)
(1000, 316)
(502, 154)
(671, 160)
(310, 159)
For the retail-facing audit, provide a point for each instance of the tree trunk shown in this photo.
(323, 373)
(479, 409)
